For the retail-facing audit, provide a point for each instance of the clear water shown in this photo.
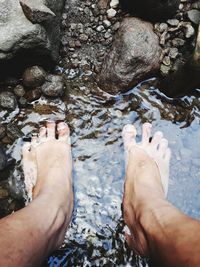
(95, 237)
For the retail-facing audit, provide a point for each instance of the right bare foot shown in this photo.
(146, 184)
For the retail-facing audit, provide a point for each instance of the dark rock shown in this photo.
(3, 159)
(2, 131)
(151, 9)
(8, 100)
(4, 193)
(34, 76)
(134, 56)
(194, 16)
(23, 101)
(13, 132)
(36, 11)
(25, 36)
(19, 90)
(33, 95)
(53, 86)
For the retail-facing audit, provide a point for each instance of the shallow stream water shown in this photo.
(95, 237)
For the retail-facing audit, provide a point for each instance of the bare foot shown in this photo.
(47, 165)
(146, 184)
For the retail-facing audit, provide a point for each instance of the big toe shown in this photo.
(63, 132)
(146, 133)
(129, 133)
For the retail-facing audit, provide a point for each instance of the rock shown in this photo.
(111, 13)
(151, 9)
(19, 90)
(53, 86)
(22, 101)
(114, 3)
(13, 132)
(196, 56)
(4, 193)
(33, 95)
(36, 11)
(134, 56)
(173, 22)
(34, 76)
(189, 31)
(194, 16)
(8, 100)
(2, 131)
(177, 42)
(18, 34)
(3, 159)
(102, 4)
(173, 53)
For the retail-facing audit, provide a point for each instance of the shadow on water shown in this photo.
(95, 236)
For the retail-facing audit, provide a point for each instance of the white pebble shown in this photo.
(114, 3)
(111, 13)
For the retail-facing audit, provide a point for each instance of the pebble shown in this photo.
(83, 37)
(34, 76)
(2, 131)
(54, 86)
(189, 31)
(3, 159)
(164, 69)
(166, 61)
(106, 23)
(19, 90)
(173, 22)
(177, 42)
(173, 53)
(33, 95)
(100, 28)
(114, 3)
(194, 16)
(8, 100)
(111, 13)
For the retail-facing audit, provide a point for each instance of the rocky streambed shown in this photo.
(93, 34)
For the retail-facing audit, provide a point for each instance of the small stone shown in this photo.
(194, 16)
(106, 23)
(53, 86)
(189, 31)
(162, 27)
(102, 4)
(83, 37)
(77, 43)
(116, 26)
(100, 28)
(173, 53)
(166, 61)
(19, 90)
(72, 44)
(22, 101)
(8, 100)
(107, 35)
(114, 3)
(3, 159)
(2, 131)
(177, 42)
(164, 69)
(3, 193)
(33, 95)
(111, 13)
(173, 22)
(34, 76)
(13, 132)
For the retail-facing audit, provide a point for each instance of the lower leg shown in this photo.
(157, 228)
(29, 235)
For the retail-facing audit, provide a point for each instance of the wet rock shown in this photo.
(19, 90)
(53, 86)
(134, 55)
(2, 131)
(34, 76)
(151, 9)
(3, 159)
(33, 95)
(8, 100)
(36, 11)
(194, 16)
(13, 132)
(173, 22)
(111, 13)
(23, 35)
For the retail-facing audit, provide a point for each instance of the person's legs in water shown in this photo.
(31, 234)
(157, 229)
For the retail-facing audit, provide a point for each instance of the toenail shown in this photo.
(61, 126)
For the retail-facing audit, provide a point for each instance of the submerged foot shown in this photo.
(146, 184)
(47, 165)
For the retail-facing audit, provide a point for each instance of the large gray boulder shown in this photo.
(19, 33)
(134, 56)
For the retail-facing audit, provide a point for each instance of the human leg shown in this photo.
(158, 229)
(29, 235)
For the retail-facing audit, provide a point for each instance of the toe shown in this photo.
(146, 133)
(51, 129)
(167, 154)
(63, 132)
(42, 134)
(34, 140)
(163, 147)
(156, 139)
(129, 133)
